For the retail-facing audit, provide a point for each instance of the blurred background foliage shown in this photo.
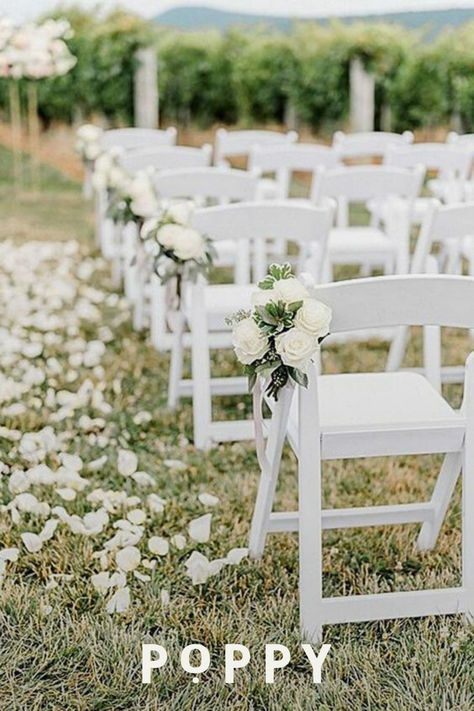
(262, 76)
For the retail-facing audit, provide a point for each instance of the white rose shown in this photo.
(181, 212)
(148, 227)
(88, 133)
(91, 151)
(296, 348)
(104, 163)
(248, 341)
(167, 235)
(189, 244)
(290, 290)
(144, 206)
(99, 181)
(263, 296)
(117, 177)
(313, 317)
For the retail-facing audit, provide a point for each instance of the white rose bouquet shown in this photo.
(35, 51)
(133, 198)
(180, 251)
(279, 337)
(88, 143)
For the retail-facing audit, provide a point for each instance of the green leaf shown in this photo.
(299, 377)
(294, 306)
(265, 316)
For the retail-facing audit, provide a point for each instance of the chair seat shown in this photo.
(347, 243)
(374, 414)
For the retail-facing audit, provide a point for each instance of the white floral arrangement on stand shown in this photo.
(180, 252)
(35, 51)
(280, 336)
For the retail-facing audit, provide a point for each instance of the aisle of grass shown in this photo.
(78, 657)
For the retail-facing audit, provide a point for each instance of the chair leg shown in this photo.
(176, 364)
(201, 375)
(310, 515)
(468, 491)
(158, 331)
(269, 476)
(442, 495)
(139, 305)
(470, 261)
(397, 349)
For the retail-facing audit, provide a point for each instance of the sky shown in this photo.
(22, 10)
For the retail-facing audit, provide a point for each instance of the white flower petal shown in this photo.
(48, 529)
(10, 554)
(32, 542)
(128, 558)
(158, 545)
(66, 494)
(236, 555)
(101, 582)
(136, 516)
(127, 462)
(208, 499)
(178, 541)
(119, 602)
(200, 528)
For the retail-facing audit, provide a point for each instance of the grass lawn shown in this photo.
(59, 648)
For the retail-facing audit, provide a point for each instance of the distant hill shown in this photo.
(199, 18)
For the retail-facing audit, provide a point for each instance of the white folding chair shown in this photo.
(232, 144)
(130, 138)
(370, 144)
(203, 186)
(452, 227)
(229, 144)
(207, 306)
(451, 163)
(166, 158)
(370, 246)
(283, 160)
(373, 415)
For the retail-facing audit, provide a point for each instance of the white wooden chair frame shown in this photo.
(166, 158)
(228, 144)
(218, 185)
(370, 144)
(451, 162)
(283, 160)
(426, 300)
(250, 224)
(131, 138)
(399, 187)
(450, 225)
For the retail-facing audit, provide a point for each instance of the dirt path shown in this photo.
(56, 148)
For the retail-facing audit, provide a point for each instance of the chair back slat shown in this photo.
(283, 160)
(442, 157)
(128, 138)
(209, 183)
(265, 220)
(408, 300)
(442, 223)
(166, 158)
(363, 183)
(240, 143)
(370, 144)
